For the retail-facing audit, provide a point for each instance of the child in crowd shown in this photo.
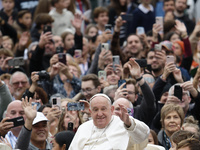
(7, 43)
(101, 18)
(8, 12)
(62, 18)
(23, 22)
(143, 16)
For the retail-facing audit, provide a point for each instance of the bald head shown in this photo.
(122, 101)
(15, 109)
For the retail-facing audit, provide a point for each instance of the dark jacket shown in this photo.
(147, 109)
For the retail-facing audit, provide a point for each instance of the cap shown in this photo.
(167, 45)
(39, 117)
(101, 95)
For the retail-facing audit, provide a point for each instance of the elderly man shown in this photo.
(14, 110)
(19, 83)
(107, 131)
(34, 133)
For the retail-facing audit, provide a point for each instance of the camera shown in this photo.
(16, 62)
(75, 106)
(43, 75)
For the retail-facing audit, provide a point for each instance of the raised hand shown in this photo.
(54, 59)
(30, 112)
(118, 23)
(23, 41)
(121, 92)
(77, 22)
(44, 39)
(123, 115)
(178, 75)
(188, 86)
(126, 71)
(134, 68)
(105, 58)
(169, 68)
(180, 26)
(53, 113)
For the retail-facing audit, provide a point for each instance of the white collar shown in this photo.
(145, 10)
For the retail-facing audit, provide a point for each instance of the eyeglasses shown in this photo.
(130, 92)
(20, 82)
(88, 90)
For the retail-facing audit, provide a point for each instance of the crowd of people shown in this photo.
(100, 74)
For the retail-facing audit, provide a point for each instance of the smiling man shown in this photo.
(34, 133)
(106, 130)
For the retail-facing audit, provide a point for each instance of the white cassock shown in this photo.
(114, 136)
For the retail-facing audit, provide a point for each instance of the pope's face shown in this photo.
(101, 111)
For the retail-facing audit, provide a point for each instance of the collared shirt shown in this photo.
(145, 10)
(11, 138)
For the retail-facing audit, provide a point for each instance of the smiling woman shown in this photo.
(172, 118)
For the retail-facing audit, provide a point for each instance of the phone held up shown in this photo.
(17, 121)
(178, 92)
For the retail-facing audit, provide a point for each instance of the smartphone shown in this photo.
(178, 92)
(59, 49)
(16, 62)
(78, 53)
(17, 121)
(159, 20)
(141, 62)
(56, 102)
(108, 27)
(62, 58)
(47, 28)
(120, 82)
(170, 58)
(157, 47)
(70, 126)
(130, 111)
(75, 106)
(105, 46)
(140, 30)
(102, 75)
(116, 60)
(127, 17)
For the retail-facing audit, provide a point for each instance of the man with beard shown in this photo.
(19, 83)
(14, 110)
(179, 13)
(157, 61)
(43, 52)
(133, 47)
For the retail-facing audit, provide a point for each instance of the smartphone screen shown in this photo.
(116, 61)
(120, 82)
(105, 46)
(62, 58)
(108, 27)
(140, 30)
(178, 92)
(47, 28)
(102, 75)
(78, 53)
